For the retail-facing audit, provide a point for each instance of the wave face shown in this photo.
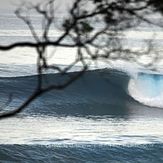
(91, 94)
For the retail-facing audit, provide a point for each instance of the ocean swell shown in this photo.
(96, 93)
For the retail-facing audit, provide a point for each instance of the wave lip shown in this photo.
(147, 88)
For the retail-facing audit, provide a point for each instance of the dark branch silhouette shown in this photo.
(91, 28)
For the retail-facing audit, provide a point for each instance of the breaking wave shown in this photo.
(91, 94)
(147, 88)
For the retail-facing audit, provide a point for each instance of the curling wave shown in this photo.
(98, 92)
(147, 88)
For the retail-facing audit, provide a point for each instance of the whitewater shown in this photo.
(111, 114)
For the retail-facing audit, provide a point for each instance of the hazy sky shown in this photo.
(4, 3)
(13, 3)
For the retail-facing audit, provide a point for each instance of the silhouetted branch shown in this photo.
(92, 27)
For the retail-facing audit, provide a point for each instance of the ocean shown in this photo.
(108, 115)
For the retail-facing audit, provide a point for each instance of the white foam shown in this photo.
(140, 94)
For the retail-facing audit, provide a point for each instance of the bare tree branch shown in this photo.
(92, 28)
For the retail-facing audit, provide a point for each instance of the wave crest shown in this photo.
(147, 89)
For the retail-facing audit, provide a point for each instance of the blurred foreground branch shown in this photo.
(92, 28)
